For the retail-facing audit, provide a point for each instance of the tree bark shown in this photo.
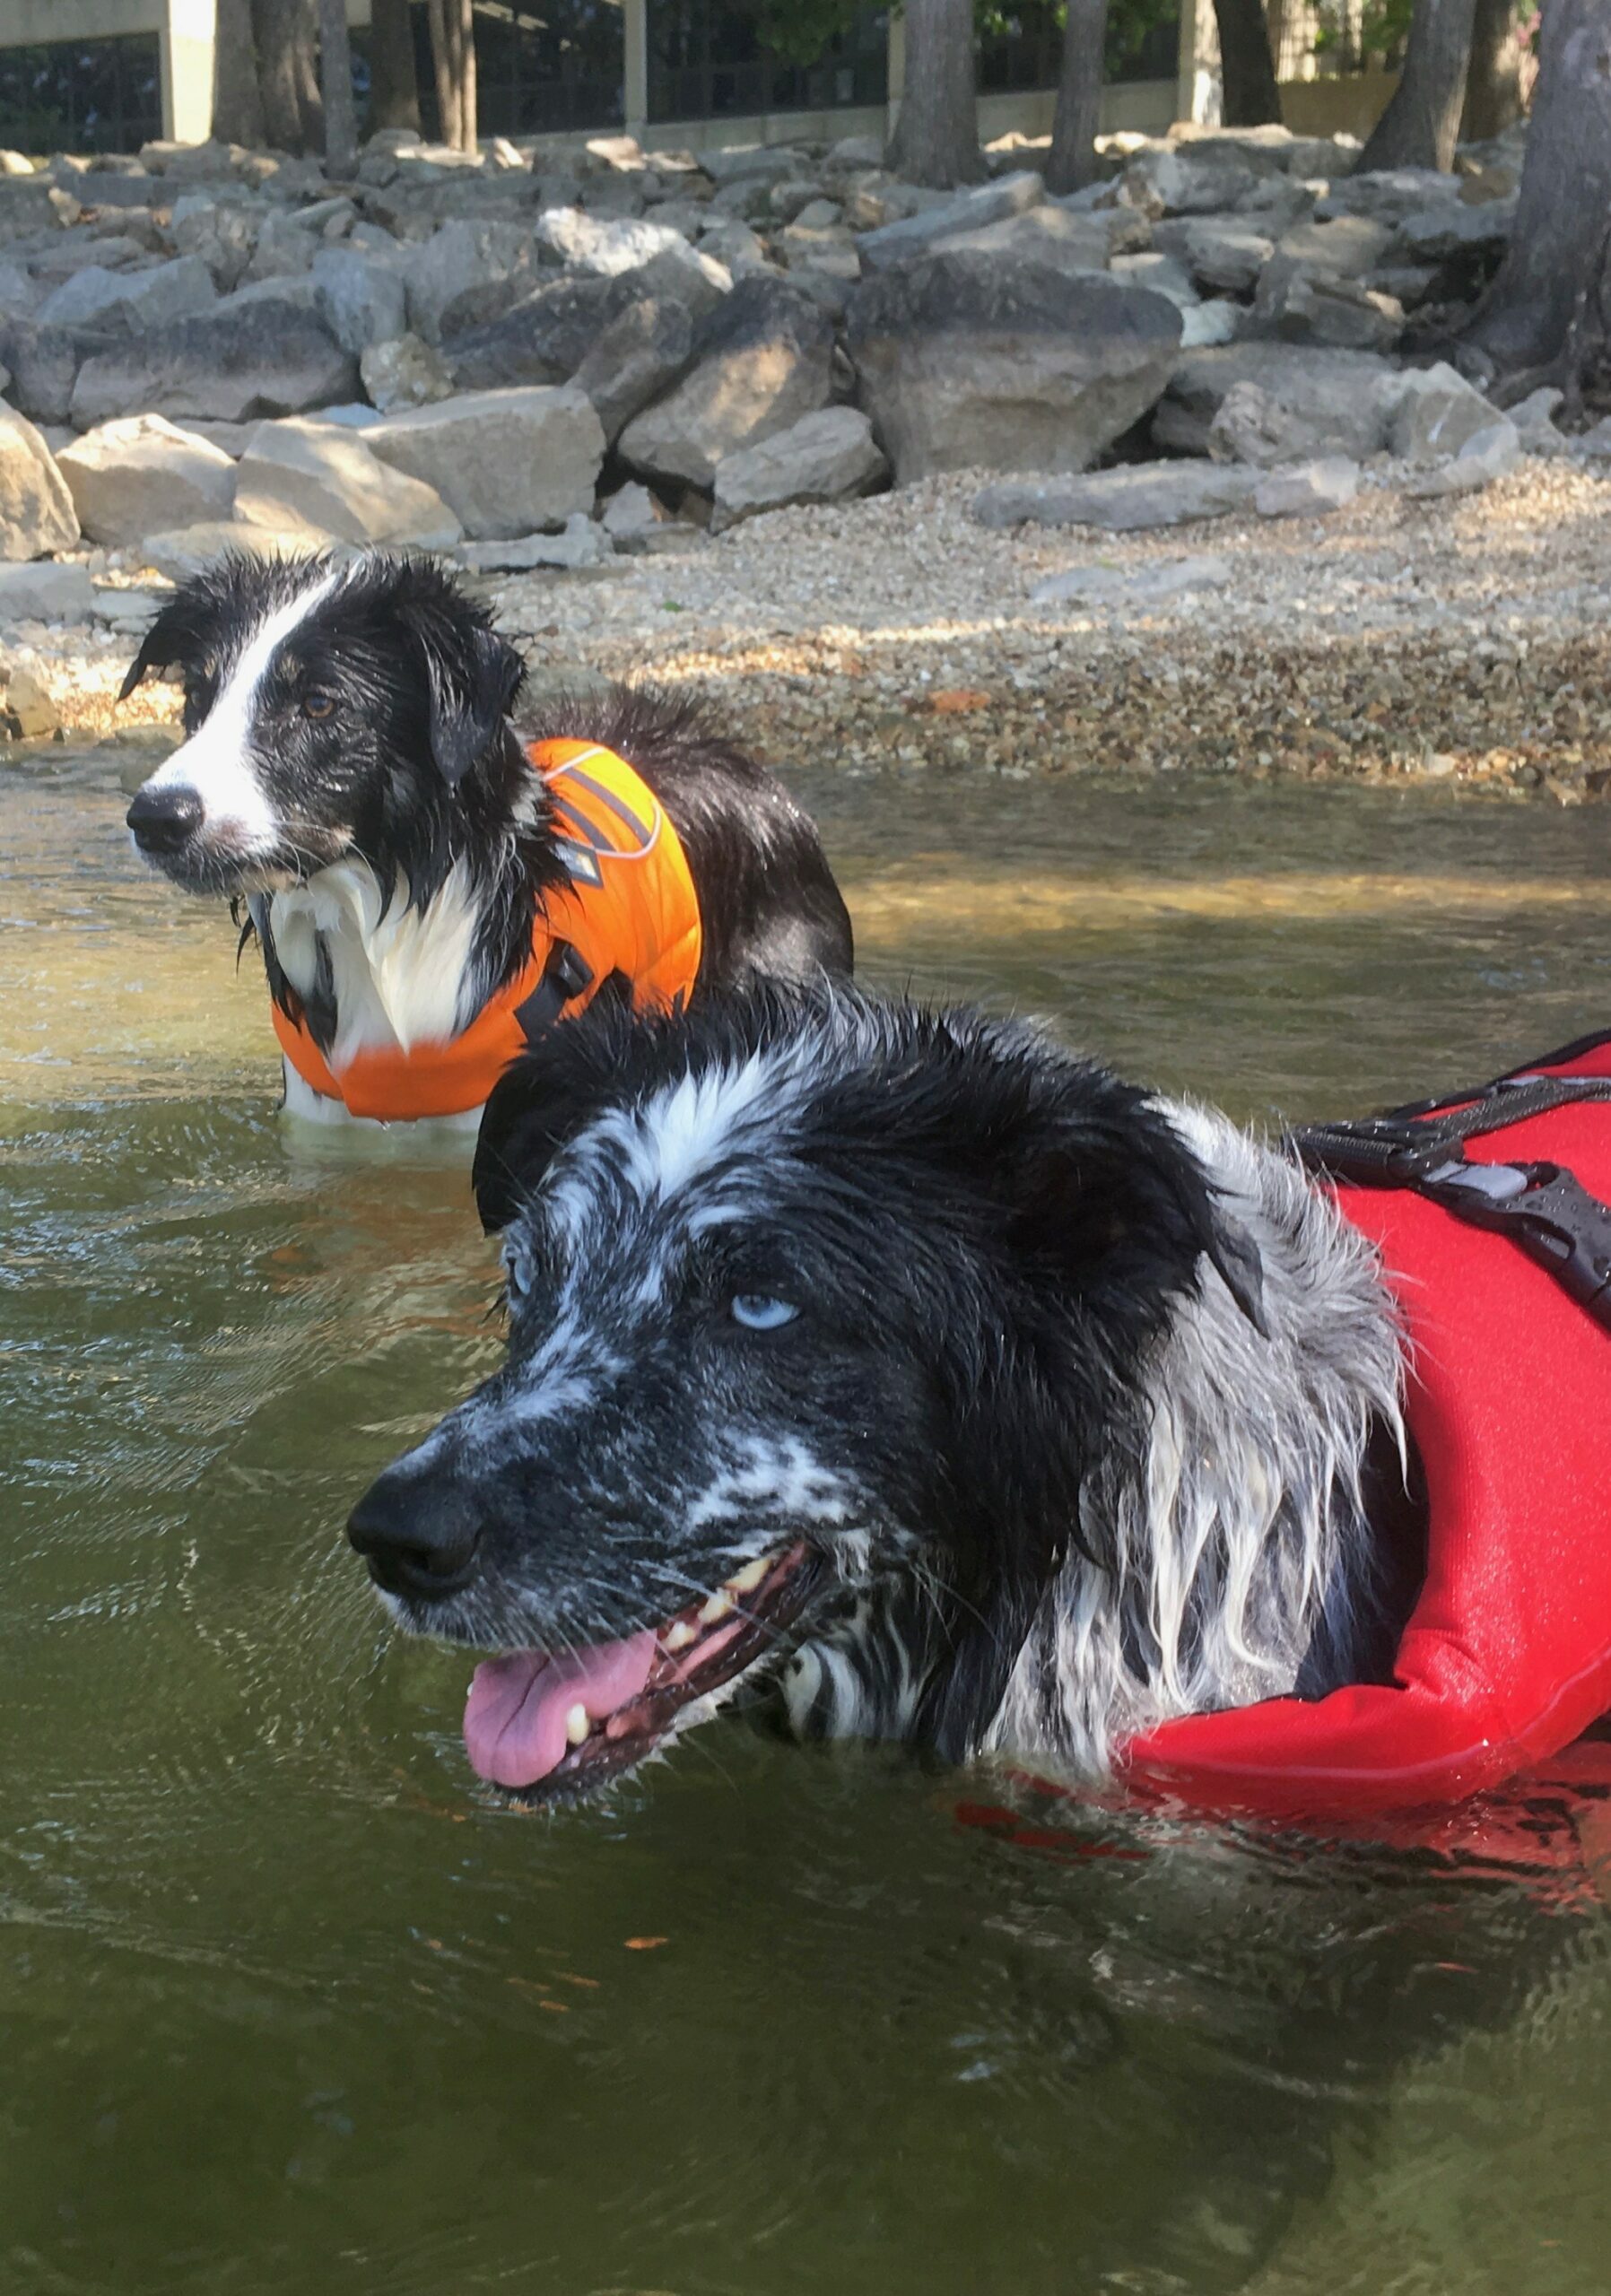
(1071, 162)
(1422, 118)
(287, 35)
(453, 53)
(336, 82)
(1547, 315)
(394, 88)
(935, 140)
(236, 97)
(1493, 77)
(1252, 97)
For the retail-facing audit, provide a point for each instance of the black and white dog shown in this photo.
(903, 1365)
(351, 769)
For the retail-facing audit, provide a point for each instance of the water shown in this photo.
(286, 2004)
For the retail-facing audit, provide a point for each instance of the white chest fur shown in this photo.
(398, 979)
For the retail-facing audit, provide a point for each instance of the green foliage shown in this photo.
(1383, 31)
(801, 31)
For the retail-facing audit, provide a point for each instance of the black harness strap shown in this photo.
(1544, 1208)
(565, 976)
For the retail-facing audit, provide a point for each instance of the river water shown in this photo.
(286, 2004)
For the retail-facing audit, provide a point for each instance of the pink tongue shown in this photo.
(515, 1715)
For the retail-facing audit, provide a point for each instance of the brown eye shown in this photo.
(319, 706)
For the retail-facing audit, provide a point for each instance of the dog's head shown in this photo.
(330, 709)
(809, 1297)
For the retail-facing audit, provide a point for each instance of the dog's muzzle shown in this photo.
(164, 821)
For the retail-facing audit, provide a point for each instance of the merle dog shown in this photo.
(902, 1367)
(352, 770)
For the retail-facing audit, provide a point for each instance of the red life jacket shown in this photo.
(1506, 1659)
(629, 910)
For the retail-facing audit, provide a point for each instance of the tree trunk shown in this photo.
(453, 53)
(236, 97)
(1071, 159)
(394, 90)
(1547, 315)
(1493, 79)
(1422, 118)
(1248, 69)
(935, 140)
(336, 82)
(287, 34)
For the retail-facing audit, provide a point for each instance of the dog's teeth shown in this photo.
(678, 1636)
(716, 1608)
(745, 1581)
(577, 1724)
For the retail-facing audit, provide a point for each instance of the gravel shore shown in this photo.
(1463, 638)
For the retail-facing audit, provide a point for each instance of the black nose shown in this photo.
(162, 819)
(417, 1531)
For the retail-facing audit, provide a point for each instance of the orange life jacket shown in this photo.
(630, 908)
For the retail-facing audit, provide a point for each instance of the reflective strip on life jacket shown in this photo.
(1506, 1659)
(629, 910)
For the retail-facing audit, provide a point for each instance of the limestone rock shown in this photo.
(27, 712)
(36, 509)
(992, 362)
(827, 456)
(761, 360)
(119, 302)
(140, 472)
(467, 274)
(757, 162)
(45, 592)
(1487, 454)
(222, 233)
(1136, 496)
(1435, 411)
(325, 476)
(1222, 253)
(970, 211)
(231, 365)
(1328, 401)
(638, 356)
(505, 462)
(1299, 305)
(1443, 233)
(1307, 490)
(1044, 234)
(186, 552)
(1344, 248)
(44, 363)
(1195, 178)
(582, 543)
(402, 374)
(360, 300)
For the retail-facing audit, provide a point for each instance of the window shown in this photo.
(1021, 47)
(82, 95)
(709, 60)
(540, 66)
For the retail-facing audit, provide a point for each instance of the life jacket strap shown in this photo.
(1542, 1207)
(566, 975)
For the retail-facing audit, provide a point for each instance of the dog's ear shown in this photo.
(163, 644)
(549, 1095)
(472, 677)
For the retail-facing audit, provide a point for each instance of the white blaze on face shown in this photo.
(216, 762)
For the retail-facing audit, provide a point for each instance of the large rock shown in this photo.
(989, 361)
(504, 462)
(1307, 490)
(133, 476)
(971, 211)
(467, 274)
(232, 365)
(1298, 305)
(131, 301)
(43, 363)
(1043, 234)
(1219, 252)
(46, 594)
(1137, 496)
(1195, 179)
(825, 457)
(1444, 233)
(186, 552)
(404, 373)
(1434, 412)
(546, 337)
(1345, 249)
(36, 509)
(326, 476)
(1488, 454)
(762, 359)
(361, 299)
(1389, 194)
(224, 235)
(638, 356)
(1330, 402)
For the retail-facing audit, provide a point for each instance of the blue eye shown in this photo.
(756, 1312)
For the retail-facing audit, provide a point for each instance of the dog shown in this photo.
(900, 1370)
(430, 888)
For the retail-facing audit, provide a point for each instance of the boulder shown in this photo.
(361, 299)
(131, 301)
(971, 211)
(36, 509)
(1197, 178)
(325, 476)
(1319, 401)
(1451, 229)
(762, 359)
(404, 373)
(1307, 490)
(582, 543)
(43, 363)
(638, 356)
(223, 235)
(232, 364)
(604, 244)
(140, 472)
(467, 274)
(827, 456)
(1487, 454)
(746, 162)
(1389, 194)
(27, 712)
(990, 361)
(1137, 496)
(1434, 412)
(1044, 234)
(1345, 249)
(505, 462)
(45, 592)
(735, 246)
(184, 552)
(1299, 305)
(1220, 253)
(547, 336)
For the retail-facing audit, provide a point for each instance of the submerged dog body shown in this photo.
(905, 1366)
(351, 769)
